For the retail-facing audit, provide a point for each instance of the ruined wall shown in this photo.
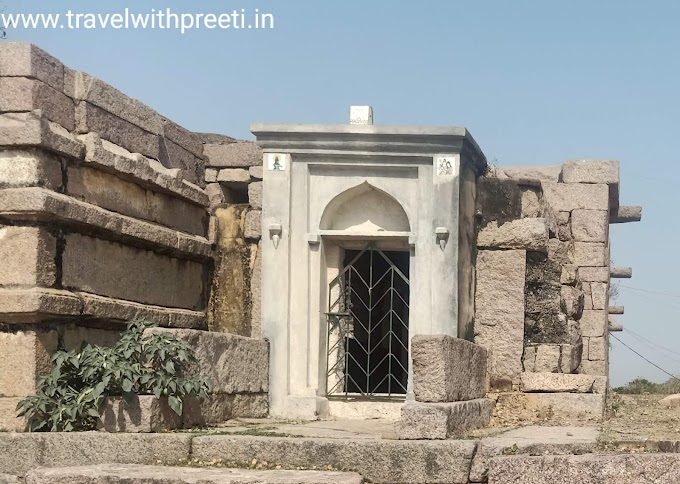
(543, 274)
(104, 218)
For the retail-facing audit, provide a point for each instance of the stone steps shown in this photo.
(140, 474)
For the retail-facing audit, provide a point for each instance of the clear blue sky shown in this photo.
(536, 83)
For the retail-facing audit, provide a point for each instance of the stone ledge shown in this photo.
(399, 461)
(562, 382)
(527, 233)
(33, 129)
(136, 168)
(137, 474)
(20, 94)
(432, 421)
(532, 405)
(19, 59)
(38, 304)
(40, 204)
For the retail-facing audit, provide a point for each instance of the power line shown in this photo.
(650, 362)
(652, 343)
(650, 292)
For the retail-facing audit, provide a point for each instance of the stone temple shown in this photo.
(345, 272)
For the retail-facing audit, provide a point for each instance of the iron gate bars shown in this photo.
(368, 305)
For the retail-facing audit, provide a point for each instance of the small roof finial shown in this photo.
(361, 115)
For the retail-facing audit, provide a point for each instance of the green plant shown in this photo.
(141, 363)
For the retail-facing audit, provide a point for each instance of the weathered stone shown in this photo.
(597, 349)
(255, 172)
(591, 171)
(589, 468)
(253, 225)
(500, 311)
(531, 203)
(36, 304)
(183, 137)
(547, 358)
(590, 225)
(570, 356)
(529, 358)
(569, 275)
(92, 119)
(233, 364)
(219, 408)
(135, 168)
(127, 474)
(108, 309)
(447, 369)
(564, 233)
(671, 400)
(594, 274)
(573, 301)
(616, 309)
(27, 60)
(19, 94)
(45, 205)
(211, 175)
(401, 461)
(589, 254)
(110, 99)
(33, 129)
(24, 356)
(115, 270)
(432, 421)
(498, 200)
(593, 323)
(29, 256)
(9, 479)
(588, 296)
(237, 154)
(542, 173)
(574, 328)
(621, 215)
(255, 195)
(233, 175)
(563, 197)
(73, 336)
(174, 156)
(526, 233)
(545, 321)
(529, 406)
(256, 291)
(560, 382)
(144, 413)
(112, 193)
(589, 367)
(216, 194)
(30, 167)
(621, 272)
(20, 452)
(599, 293)
(9, 422)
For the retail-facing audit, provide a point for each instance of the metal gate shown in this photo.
(367, 316)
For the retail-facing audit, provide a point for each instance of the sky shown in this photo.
(535, 82)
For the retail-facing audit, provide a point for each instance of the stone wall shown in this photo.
(543, 275)
(105, 217)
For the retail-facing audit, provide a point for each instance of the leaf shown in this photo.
(92, 412)
(126, 386)
(175, 404)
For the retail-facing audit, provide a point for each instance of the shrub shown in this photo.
(69, 398)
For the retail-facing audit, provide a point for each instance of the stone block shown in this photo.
(255, 172)
(38, 204)
(573, 301)
(588, 468)
(233, 175)
(560, 382)
(594, 274)
(24, 356)
(36, 304)
(401, 461)
(29, 167)
(565, 197)
(438, 421)
(589, 367)
(219, 408)
(145, 413)
(27, 60)
(216, 194)
(237, 154)
(211, 175)
(9, 479)
(111, 269)
(34, 130)
(183, 137)
(29, 256)
(588, 296)
(542, 173)
(447, 369)
(526, 233)
(255, 195)
(531, 203)
(20, 452)
(593, 323)
(126, 474)
(174, 156)
(589, 254)
(112, 193)
(621, 272)
(499, 318)
(547, 358)
(591, 171)
(253, 225)
(233, 364)
(100, 94)
(597, 349)
(529, 406)
(570, 275)
(9, 422)
(256, 292)
(622, 215)
(590, 225)
(20, 94)
(529, 358)
(92, 119)
(599, 293)
(135, 168)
